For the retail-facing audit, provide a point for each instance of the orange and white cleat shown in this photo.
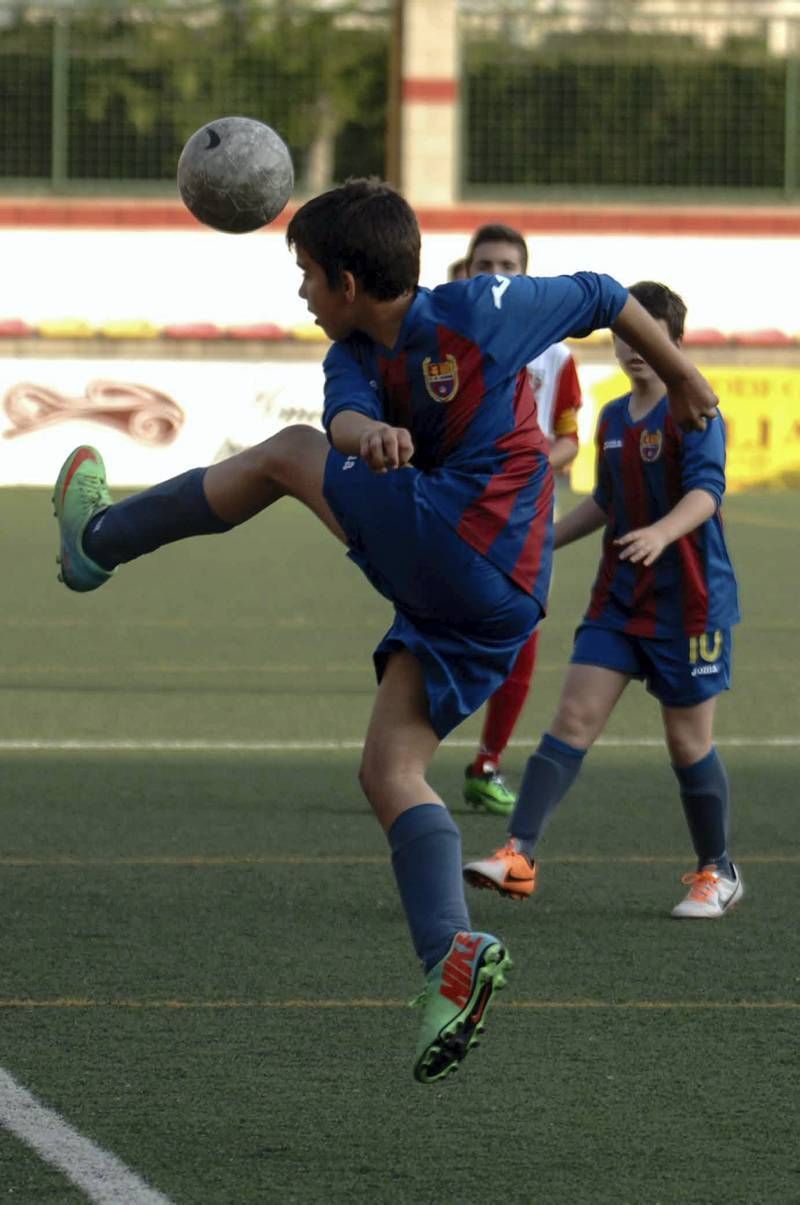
(507, 871)
(711, 894)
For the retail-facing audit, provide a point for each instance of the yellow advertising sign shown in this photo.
(762, 414)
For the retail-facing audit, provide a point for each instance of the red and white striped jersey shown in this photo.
(554, 379)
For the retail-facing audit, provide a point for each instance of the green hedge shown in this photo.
(595, 111)
(591, 117)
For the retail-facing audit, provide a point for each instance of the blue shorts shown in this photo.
(680, 672)
(462, 618)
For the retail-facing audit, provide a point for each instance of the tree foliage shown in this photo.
(143, 76)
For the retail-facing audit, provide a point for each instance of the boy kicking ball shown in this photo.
(433, 472)
(661, 611)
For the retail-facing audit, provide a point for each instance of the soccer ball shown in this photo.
(235, 174)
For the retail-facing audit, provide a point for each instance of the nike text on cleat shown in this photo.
(507, 871)
(457, 995)
(488, 791)
(80, 493)
(711, 894)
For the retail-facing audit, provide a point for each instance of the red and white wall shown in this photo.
(737, 271)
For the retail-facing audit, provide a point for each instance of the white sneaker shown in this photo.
(711, 894)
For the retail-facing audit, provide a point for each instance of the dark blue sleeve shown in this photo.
(514, 318)
(347, 387)
(703, 460)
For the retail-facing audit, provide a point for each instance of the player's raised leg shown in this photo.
(716, 885)
(589, 695)
(97, 534)
(463, 968)
(291, 463)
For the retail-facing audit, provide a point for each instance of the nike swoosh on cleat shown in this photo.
(84, 455)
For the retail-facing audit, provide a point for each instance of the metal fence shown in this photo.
(631, 98)
(101, 95)
(672, 99)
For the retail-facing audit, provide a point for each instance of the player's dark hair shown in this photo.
(364, 227)
(457, 270)
(661, 302)
(496, 232)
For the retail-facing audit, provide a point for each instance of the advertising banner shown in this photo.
(761, 407)
(150, 419)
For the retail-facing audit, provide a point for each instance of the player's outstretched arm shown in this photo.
(692, 401)
(380, 445)
(582, 521)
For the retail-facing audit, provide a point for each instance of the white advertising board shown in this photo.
(150, 419)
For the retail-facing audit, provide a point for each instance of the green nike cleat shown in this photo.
(458, 992)
(488, 791)
(80, 492)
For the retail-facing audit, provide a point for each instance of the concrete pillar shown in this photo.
(428, 101)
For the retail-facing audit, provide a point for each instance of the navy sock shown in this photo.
(705, 799)
(549, 774)
(426, 859)
(169, 511)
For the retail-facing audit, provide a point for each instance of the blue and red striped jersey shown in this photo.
(644, 468)
(456, 380)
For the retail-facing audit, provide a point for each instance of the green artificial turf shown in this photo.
(204, 963)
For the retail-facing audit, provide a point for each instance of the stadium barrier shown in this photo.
(151, 418)
(154, 418)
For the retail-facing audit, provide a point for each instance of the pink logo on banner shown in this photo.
(145, 414)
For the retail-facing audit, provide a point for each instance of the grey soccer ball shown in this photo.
(235, 174)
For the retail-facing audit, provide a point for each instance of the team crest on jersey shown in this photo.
(650, 445)
(441, 380)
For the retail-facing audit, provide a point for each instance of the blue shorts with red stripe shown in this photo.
(461, 617)
(680, 672)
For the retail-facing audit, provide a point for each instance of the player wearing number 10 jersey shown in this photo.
(661, 611)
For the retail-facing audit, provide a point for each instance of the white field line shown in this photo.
(104, 1179)
(122, 745)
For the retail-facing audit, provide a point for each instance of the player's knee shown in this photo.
(373, 783)
(364, 778)
(687, 748)
(386, 780)
(370, 776)
(285, 454)
(576, 723)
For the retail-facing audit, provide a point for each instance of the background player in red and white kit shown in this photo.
(497, 248)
